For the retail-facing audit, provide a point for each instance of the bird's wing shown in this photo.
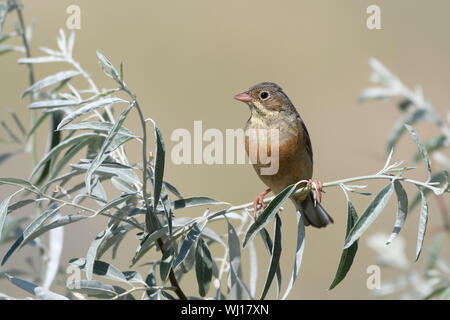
(307, 139)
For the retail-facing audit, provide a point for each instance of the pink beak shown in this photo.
(244, 97)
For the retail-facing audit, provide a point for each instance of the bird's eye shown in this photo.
(264, 95)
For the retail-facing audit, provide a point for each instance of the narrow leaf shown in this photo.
(402, 212)
(88, 108)
(55, 78)
(92, 252)
(269, 212)
(298, 254)
(3, 212)
(234, 251)
(189, 241)
(369, 215)
(348, 254)
(39, 292)
(194, 202)
(33, 226)
(64, 144)
(421, 147)
(275, 259)
(107, 147)
(422, 225)
(203, 267)
(43, 59)
(166, 263)
(49, 104)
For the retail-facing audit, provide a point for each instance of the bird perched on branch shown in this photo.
(274, 114)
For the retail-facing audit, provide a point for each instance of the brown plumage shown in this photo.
(271, 109)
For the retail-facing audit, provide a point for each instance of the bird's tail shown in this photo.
(312, 213)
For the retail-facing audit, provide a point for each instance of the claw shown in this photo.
(258, 203)
(317, 193)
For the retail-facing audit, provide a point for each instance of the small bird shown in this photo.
(271, 109)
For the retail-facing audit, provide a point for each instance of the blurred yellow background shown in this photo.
(186, 60)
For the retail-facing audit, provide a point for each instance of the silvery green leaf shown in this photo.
(88, 108)
(150, 280)
(434, 144)
(61, 146)
(71, 43)
(172, 189)
(194, 202)
(115, 236)
(253, 268)
(422, 225)
(55, 240)
(369, 215)
(68, 156)
(107, 67)
(166, 263)
(275, 257)
(62, 221)
(381, 73)
(267, 240)
(133, 276)
(189, 241)
(3, 212)
(97, 126)
(148, 242)
(203, 267)
(15, 182)
(39, 292)
(43, 59)
(348, 254)
(440, 177)
(123, 185)
(29, 230)
(158, 179)
(11, 228)
(107, 147)
(105, 171)
(4, 48)
(20, 204)
(376, 93)
(92, 252)
(269, 212)
(421, 147)
(61, 40)
(298, 254)
(113, 203)
(234, 252)
(101, 268)
(402, 212)
(50, 52)
(98, 191)
(94, 288)
(50, 80)
(46, 104)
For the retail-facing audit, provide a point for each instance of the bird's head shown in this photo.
(265, 98)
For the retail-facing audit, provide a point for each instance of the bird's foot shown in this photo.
(258, 203)
(317, 192)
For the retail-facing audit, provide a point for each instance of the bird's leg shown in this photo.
(259, 200)
(318, 192)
